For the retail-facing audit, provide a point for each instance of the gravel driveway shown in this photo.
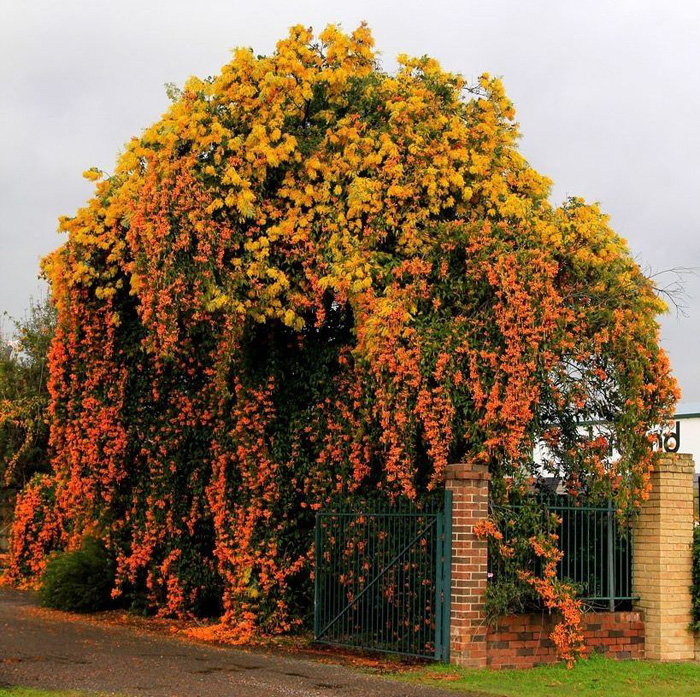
(45, 650)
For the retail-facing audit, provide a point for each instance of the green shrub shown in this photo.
(509, 597)
(695, 588)
(80, 580)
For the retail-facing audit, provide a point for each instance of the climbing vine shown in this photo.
(312, 278)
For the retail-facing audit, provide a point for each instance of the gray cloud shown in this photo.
(608, 96)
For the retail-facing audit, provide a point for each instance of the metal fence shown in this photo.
(597, 550)
(382, 577)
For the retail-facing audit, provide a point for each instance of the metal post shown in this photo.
(317, 570)
(611, 557)
(447, 576)
(439, 597)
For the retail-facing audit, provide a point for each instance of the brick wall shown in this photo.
(663, 536)
(522, 641)
(662, 577)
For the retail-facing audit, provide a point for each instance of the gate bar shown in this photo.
(376, 578)
(447, 577)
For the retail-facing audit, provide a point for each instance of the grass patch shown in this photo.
(596, 676)
(32, 692)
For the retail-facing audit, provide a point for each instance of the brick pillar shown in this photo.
(470, 496)
(662, 559)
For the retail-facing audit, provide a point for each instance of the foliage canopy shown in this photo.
(311, 278)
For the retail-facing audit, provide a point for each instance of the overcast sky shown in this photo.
(607, 93)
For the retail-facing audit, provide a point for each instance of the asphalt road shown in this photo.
(45, 650)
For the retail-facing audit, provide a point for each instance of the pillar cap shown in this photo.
(680, 463)
(468, 470)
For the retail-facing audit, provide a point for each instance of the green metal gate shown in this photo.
(382, 577)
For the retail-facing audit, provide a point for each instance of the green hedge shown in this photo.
(695, 588)
(80, 580)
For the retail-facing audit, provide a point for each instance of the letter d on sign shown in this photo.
(672, 440)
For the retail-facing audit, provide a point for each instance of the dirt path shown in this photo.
(40, 649)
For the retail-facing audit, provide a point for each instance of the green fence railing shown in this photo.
(596, 545)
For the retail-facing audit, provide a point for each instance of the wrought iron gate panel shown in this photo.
(382, 578)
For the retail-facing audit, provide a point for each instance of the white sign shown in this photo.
(684, 437)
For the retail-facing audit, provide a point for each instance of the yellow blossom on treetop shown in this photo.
(93, 174)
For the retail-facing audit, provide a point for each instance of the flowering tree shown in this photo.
(24, 398)
(312, 278)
